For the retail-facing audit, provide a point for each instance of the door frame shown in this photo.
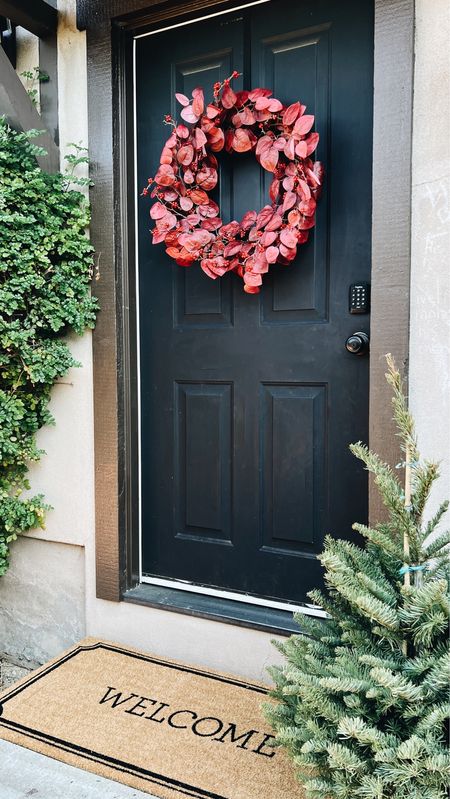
(110, 28)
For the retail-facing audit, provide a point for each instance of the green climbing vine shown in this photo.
(46, 263)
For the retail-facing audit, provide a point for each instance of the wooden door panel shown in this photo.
(297, 66)
(203, 442)
(293, 455)
(200, 303)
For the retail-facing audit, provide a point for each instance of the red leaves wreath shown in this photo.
(188, 220)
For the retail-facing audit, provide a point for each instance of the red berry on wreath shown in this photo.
(188, 171)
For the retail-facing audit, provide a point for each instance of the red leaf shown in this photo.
(241, 141)
(251, 289)
(306, 222)
(260, 264)
(198, 103)
(211, 224)
(269, 159)
(165, 176)
(289, 200)
(288, 238)
(170, 195)
(171, 141)
(199, 196)
(280, 143)
(288, 183)
(264, 144)
(289, 150)
(307, 207)
(206, 124)
(188, 176)
(246, 117)
(275, 105)
(312, 141)
(264, 216)
(167, 222)
(158, 210)
(241, 98)
(228, 97)
(188, 114)
(268, 238)
(199, 138)
(291, 169)
(288, 252)
(274, 223)
(248, 220)
(207, 178)
(230, 230)
(185, 154)
(304, 190)
(319, 171)
(214, 267)
(255, 93)
(250, 279)
(216, 139)
(158, 236)
(274, 190)
(272, 254)
(207, 209)
(304, 124)
(293, 217)
(173, 252)
(212, 111)
(291, 114)
(301, 149)
(182, 131)
(166, 156)
(186, 203)
(182, 98)
(232, 249)
(185, 259)
(262, 103)
(262, 116)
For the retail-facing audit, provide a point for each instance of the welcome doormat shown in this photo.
(164, 727)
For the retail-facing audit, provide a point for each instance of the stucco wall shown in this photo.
(54, 570)
(430, 272)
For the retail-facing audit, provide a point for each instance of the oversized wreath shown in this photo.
(188, 220)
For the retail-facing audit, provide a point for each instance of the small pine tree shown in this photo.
(364, 696)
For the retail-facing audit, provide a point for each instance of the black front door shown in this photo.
(249, 402)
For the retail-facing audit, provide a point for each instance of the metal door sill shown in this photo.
(227, 611)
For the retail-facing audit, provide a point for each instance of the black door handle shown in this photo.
(357, 344)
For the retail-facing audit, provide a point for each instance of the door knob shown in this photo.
(357, 344)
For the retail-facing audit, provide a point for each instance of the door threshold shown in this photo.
(215, 608)
(236, 596)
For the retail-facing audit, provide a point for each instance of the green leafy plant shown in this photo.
(46, 263)
(364, 696)
(33, 78)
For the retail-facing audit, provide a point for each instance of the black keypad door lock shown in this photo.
(359, 298)
(357, 344)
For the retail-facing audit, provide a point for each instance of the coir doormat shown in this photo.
(167, 728)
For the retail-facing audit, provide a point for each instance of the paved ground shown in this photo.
(25, 774)
(9, 674)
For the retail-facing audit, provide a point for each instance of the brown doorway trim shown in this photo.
(110, 27)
